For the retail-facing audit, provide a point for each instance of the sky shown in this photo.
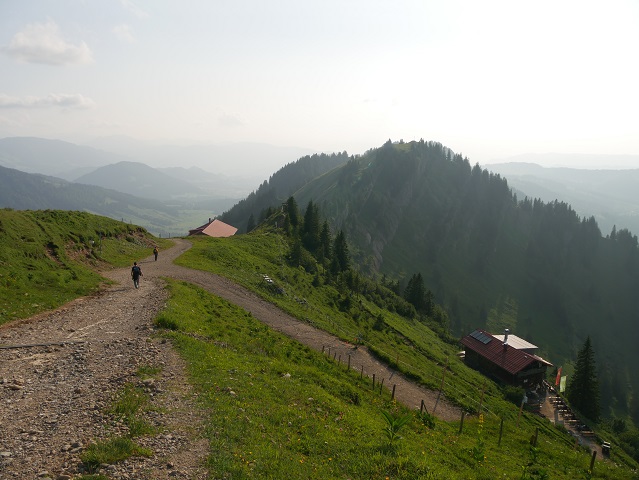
(489, 79)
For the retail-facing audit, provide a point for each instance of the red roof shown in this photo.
(507, 357)
(216, 228)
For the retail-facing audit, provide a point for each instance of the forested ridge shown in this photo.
(282, 184)
(493, 260)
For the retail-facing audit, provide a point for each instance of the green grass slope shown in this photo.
(491, 259)
(279, 409)
(275, 408)
(49, 257)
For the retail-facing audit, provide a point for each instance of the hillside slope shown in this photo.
(140, 180)
(493, 260)
(282, 184)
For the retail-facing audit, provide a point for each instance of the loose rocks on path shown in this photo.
(62, 371)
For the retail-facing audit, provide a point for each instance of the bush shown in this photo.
(514, 394)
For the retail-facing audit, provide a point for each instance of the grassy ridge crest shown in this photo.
(49, 257)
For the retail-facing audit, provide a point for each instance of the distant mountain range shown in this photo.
(611, 196)
(52, 174)
(251, 162)
(27, 191)
(141, 180)
(223, 171)
(53, 157)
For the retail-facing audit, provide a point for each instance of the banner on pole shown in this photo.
(562, 384)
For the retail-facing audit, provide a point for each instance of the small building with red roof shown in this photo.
(506, 358)
(214, 228)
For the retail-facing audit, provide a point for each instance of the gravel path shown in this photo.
(59, 370)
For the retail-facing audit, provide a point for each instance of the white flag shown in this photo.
(562, 384)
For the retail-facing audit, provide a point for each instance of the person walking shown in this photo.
(155, 253)
(136, 273)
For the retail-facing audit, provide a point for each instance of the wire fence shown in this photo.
(474, 396)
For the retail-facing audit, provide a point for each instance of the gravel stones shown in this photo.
(64, 369)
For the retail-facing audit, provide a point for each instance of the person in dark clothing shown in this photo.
(136, 273)
(155, 253)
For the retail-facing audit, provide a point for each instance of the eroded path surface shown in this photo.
(63, 369)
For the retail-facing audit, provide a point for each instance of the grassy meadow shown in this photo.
(279, 409)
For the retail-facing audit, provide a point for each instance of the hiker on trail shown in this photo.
(155, 253)
(136, 273)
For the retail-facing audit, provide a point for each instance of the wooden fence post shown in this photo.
(441, 387)
(349, 361)
(381, 385)
(592, 460)
(373, 381)
(521, 408)
(481, 399)
(461, 423)
(361, 375)
(421, 407)
(393, 395)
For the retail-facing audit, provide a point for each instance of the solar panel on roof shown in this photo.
(481, 336)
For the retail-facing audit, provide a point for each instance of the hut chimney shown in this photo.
(506, 332)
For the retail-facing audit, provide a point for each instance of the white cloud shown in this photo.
(9, 122)
(124, 33)
(42, 43)
(134, 9)
(229, 121)
(64, 100)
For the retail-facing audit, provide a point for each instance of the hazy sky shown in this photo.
(486, 78)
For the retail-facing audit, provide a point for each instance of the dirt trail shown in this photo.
(64, 367)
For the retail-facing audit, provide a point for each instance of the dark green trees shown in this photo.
(292, 214)
(250, 225)
(311, 238)
(417, 295)
(583, 387)
(341, 257)
(415, 292)
(311, 229)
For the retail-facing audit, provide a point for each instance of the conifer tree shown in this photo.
(292, 219)
(293, 212)
(583, 387)
(341, 259)
(311, 228)
(325, 242)
(415, 293)
(250, 225)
